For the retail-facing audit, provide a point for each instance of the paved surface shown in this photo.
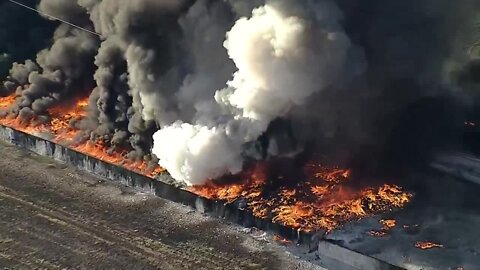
(54, 217)
(445, 211)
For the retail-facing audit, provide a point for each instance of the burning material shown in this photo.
(427, 245)
(7, 101)
(388, 224)
(313, 204)
(271, 58)
(331, 176)
(61, 129)
(59, 123)
(320, 202)
(377, 233)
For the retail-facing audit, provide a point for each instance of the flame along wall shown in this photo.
(160, 187)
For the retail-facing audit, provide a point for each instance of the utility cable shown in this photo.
(53, 17)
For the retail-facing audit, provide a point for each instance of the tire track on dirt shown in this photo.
(154, 258)
(27, 256)
(154, 252)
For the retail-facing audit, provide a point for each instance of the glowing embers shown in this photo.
(388, 224)
(63, 117)
(7, 101)
(427, 245)
(57, 122)
(380, 233)
(99, 151)
(322, 201)
(328, 174)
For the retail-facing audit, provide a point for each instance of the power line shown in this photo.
(53, 17)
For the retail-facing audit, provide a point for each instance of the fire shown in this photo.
(322, 201)
(377, 233)
(336, 175)
(60, 127)
(427, 245)
(388, 224)
(7, 101)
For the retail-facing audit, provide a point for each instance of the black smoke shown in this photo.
(410, 103)
(160, 61)
(22, 33)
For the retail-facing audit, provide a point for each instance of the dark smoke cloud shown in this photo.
(360, 76)
(64, 70)
(400, 104)
(22, 35)
(144, 34)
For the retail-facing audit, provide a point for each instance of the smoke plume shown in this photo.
(202, 86)
(284, 53)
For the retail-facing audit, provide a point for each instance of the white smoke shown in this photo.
(284, 52)
(194, 154)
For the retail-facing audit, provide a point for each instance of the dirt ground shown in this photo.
(55, 217)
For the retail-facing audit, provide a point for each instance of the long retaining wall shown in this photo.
(160, 187)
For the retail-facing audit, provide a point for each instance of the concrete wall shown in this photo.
(157, 187)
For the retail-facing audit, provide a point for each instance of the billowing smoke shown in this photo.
(284, 52)
(200, 83)
(60, 70)
(22, 35)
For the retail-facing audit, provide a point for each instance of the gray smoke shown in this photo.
(212, 75)
(62, 70)
(23, 34)
(284, 52)
(408, 96)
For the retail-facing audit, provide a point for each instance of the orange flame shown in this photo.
(7, 101)
(427, 245)
(60, 127)
(377, 233)
(313, 204)
(322, 201)
(388, 224)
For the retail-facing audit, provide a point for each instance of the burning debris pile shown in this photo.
(427, 245)
(196, 87)
(58, 125)
(322, 201)
(387, 225)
